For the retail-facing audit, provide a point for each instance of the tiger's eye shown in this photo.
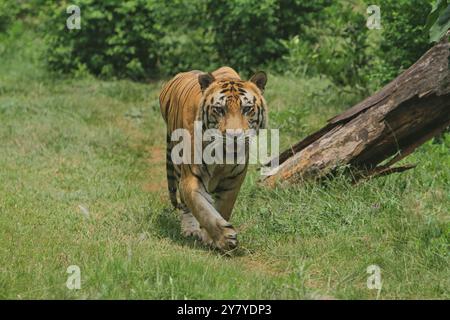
(246, 109)
(219, 110)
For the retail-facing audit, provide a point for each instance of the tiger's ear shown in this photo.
(260, 79)
(205, 80)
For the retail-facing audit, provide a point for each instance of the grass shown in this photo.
(71, 142)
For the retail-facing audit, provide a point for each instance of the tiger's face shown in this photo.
(233, 105)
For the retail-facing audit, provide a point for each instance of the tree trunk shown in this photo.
(388, 125)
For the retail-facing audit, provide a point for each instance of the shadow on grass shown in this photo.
(167, 225)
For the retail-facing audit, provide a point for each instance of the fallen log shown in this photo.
(369, 138)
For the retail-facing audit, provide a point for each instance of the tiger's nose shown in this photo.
(234, 134)
(234, 141)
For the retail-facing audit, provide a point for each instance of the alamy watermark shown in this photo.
(374, 19)
(234, 147)
(74, 20)
(374, 280)
(74, 279)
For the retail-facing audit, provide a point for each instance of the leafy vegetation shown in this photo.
(253, 30)
(438, 21)
(403, 38)
(142, 39)
(116, 38)
(335, 46)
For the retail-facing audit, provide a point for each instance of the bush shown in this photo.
(8, 12)
(188, 40)
(404, 39)
(335, 46)
(249, 33)
(346, 51)
(115, 39)
(135, 39)
(143, 39)
(245, 31)
(13, 11)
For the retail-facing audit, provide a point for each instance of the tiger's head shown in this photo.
(233, 104)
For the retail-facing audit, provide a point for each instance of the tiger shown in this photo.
(221, 100)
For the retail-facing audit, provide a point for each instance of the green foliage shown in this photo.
(249, 33)
(403, 37)
(245, 31)
(345, 50)
(135, 39)
(8, 12)
(188, 41)
(335, 47)
(145, 39)
(142, 39)
(438, 21)
(116, 38)
(19, 10)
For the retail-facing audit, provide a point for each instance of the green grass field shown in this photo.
(78, 141)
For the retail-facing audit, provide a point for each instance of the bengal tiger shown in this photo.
(208, 192)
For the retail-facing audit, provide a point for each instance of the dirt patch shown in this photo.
(156, 173)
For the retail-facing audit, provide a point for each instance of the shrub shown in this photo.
(335, 46)
(115, 39)
(249, 33)
(404, 38)
(438, 21)
(188, 40)
(135, 39)
(245, 31)
(8, 11)
(346, 51)
(143, 39)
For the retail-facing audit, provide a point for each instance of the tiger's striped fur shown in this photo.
(222, 101)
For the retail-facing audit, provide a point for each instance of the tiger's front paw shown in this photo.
(226, 237)
(223, 237)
